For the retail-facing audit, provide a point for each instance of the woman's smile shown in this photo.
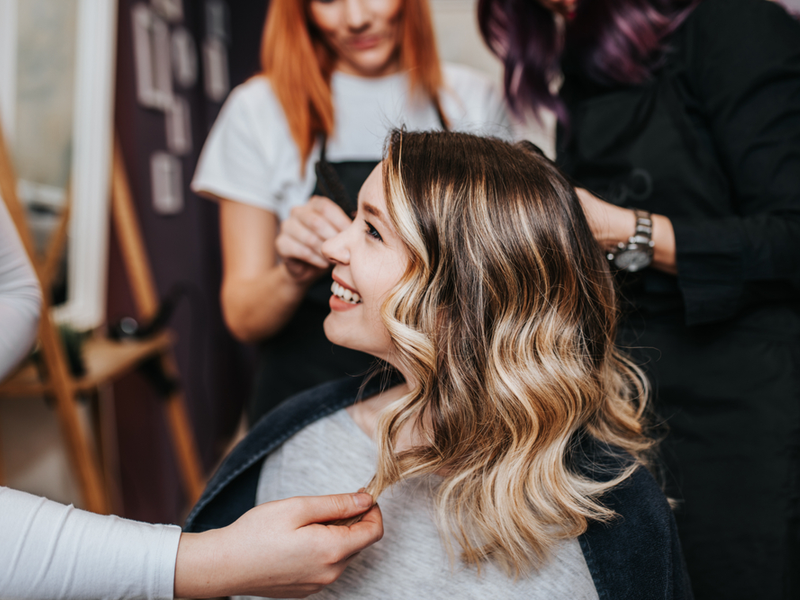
(365, 42)
(343, 298)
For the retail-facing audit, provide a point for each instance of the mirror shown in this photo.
(56, 104)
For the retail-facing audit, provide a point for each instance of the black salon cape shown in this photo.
(713, 143)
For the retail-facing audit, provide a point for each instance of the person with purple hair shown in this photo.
(679, 122)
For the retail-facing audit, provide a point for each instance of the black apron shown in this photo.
(300, 356)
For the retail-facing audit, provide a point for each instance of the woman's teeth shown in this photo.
(344, 294)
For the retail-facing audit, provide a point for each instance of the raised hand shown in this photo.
(299, 243)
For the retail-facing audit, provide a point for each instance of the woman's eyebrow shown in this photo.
(373, 210)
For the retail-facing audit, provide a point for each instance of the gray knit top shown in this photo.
(333, 455)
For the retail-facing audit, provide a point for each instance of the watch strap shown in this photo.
(643, 234)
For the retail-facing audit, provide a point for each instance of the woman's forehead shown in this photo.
(371, 192)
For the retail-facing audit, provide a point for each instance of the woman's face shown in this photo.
(369, 259)
(364, 34)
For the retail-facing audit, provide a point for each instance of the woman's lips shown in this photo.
(340, 305)
(364, 43)
(343, 297)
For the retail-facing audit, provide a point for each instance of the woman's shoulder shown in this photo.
(750, 29)
(254, 99)
(252, 110)
(246, 157)
(718, 14)
(730, 50)
(468, 83)
(456, 74)
(231, 491)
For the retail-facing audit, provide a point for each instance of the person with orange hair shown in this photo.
(337, 76)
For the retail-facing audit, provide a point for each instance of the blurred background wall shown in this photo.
(181, 234)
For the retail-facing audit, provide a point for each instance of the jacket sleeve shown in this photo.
(49, 550)
(744, 66)
(20, 298)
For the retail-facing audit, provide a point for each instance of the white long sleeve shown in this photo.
(49, 550)
(20, 297)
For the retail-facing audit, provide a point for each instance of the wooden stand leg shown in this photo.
(109, 449)
(82, 456)
(184, 445)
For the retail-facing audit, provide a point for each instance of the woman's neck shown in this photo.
(367, 413)
(392, 67)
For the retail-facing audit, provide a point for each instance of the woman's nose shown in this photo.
(356, 14)
(335, 249)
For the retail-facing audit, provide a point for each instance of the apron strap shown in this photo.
(330, 183)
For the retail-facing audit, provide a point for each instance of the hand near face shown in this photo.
(277, 549)
(301, 236)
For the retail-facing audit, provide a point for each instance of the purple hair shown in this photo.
(615, 41)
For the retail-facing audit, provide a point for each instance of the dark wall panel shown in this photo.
(184, 253)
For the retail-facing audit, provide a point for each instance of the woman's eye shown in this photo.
(371, 231)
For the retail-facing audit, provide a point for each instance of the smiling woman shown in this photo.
(369, 258)
(363, 36)
(337, 74)
(508, 445)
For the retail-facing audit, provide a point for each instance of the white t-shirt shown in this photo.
(250, 155)
(49, 550)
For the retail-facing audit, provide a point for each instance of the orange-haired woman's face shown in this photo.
(364, 34)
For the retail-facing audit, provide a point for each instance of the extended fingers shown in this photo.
(368, 530)
(323, 509)
(308, 227)
(309, 217)
(331, 212)
(352, 539)
(297, 242)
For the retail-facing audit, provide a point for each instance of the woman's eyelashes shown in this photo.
(371, 231)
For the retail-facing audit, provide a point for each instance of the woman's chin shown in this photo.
(336, 332)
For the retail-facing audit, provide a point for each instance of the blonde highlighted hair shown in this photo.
(298, 63)
(505, 318)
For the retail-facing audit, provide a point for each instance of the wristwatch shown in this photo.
(637, 252)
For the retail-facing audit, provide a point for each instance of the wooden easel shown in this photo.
(106, 360)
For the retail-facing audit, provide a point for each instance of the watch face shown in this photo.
(632, 260)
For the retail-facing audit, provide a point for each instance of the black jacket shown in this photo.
(712, 141)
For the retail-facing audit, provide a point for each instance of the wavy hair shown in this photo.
(299, 64)
(615, 41)
(505, 318)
